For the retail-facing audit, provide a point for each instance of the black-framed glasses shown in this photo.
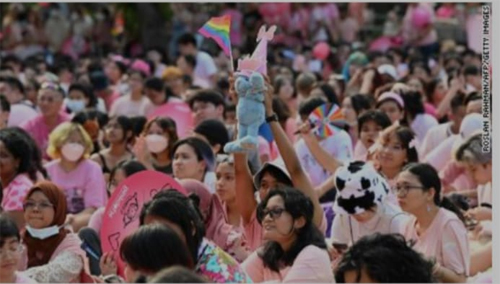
(274, 213)
(403, 189)
(40, 205)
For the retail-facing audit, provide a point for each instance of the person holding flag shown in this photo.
(205, 68)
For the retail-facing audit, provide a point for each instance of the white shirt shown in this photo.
(338, 146)
(127, 107)
(20, 113)
(205, 66)
(388, 220)
(434, 137)
(422, 124)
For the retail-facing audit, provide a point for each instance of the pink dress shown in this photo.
(40, 131)
(312, 265)
(445, 240)
(84, 186)
(15, 193)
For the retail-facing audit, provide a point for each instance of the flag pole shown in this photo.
(231, 55)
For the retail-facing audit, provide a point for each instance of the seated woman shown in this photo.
(145, 252)
(218, 228)
(439, 233)
(118, 133)
(53, 253)
(18, 172)
(370, 125)
(154, 148)
(193, 159)
(368, 211)
(79, 177)
(11, 251)
(296, 250)
(176, 210)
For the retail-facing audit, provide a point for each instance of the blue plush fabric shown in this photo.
(250, 112)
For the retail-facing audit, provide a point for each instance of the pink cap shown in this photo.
(141, 65)
(392, 96)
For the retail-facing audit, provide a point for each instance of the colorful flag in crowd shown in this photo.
(218, 28)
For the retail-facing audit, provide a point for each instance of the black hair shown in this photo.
(201, 148)
(138, 123)
(430, 88)
(421, 64)
(309, 105)
(13, 83)
(361, 102)
(126, 125)
(147, 249)
(474, 96)
(8, 229)
(36, 152)
(386, 258)
(129, 167)
(471, 70)
(405, 136)
(187, 38)
(457, 101)
(297, 205)
(177, 274)
(11, 58)
(87, 92)
(207, 96)
(329, 92)
(136, 71)
(429, 178)
(176, 208)
(413, 104)
(121, 66)
(4, 103)
(282, 111)
(377, 116)
(154, 83)
(215, 132)
(84, 116)
(190, 60)
(279, 81)
(20, 148)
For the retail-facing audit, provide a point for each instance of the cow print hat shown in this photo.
(359, 188)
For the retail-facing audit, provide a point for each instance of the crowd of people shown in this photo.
(400, 191)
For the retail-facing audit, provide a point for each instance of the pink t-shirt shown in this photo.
(434, 137)
(312, 265)
(454, 174)
(15, 193)
(445, 240)
(360, 152)
(21, 278)
(84, 186)
(40, 131)
(441, 155)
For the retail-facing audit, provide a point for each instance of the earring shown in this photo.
(428, 208)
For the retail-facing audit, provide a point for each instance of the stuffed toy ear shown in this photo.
(257, 81)
(242, 86)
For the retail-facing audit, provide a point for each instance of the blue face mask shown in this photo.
(75, 105)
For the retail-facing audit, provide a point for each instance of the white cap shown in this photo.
(389, 70)
(274, 164)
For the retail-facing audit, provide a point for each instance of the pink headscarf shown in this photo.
(216, 226)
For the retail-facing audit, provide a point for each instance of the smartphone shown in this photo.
(340, 247)
(90, 251)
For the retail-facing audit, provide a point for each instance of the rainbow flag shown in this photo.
(218, 29)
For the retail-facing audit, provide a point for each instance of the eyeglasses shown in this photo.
(403, 189)
(274, 213)
(42, 205)
(14, 249)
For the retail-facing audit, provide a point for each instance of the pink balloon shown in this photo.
(421, 17)
(321, 50)
(121, 217)
(180, 112)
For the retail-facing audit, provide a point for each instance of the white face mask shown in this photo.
(44, 233)
(75, 105)
(72, 151)
(156, 143)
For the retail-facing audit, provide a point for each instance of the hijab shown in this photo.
(40, 251)
(215, 219)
